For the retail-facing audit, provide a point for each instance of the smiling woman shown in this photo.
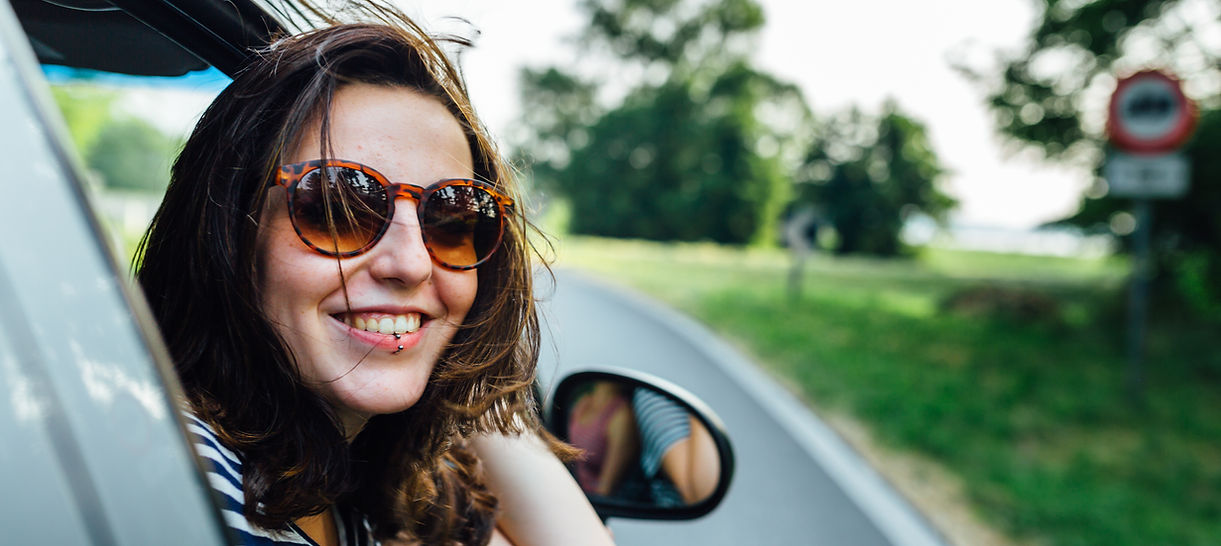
(346, 292)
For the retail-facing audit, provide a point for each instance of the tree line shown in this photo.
(698, 144)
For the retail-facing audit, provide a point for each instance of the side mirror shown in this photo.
(651, 449)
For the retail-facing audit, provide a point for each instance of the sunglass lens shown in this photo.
(462, 224)
(339, 209)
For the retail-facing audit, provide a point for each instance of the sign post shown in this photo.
(1149, 119)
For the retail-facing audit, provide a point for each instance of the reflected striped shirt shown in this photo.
(224, 474)
(662, 423)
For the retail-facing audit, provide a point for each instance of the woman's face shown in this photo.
(410, 138)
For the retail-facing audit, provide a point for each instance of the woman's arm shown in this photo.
(622, 448)
(540, 503)
(693, 464)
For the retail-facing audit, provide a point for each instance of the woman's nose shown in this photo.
(401, 255)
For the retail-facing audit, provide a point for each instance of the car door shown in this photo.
(92, 448)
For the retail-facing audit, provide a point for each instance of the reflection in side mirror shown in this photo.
(651, 450)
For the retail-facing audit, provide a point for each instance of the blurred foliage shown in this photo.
(1043, 95)
(126, 152)
(86, 109)
(1001, 302)
(700, 145)
(869, 176)
(673, 163)
(1186, 237)
(131, 154)
(686, 36)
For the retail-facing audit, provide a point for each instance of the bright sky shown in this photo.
(840, 54)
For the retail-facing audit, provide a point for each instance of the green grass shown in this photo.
(1028, 409)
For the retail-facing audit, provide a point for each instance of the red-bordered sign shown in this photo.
(1150, 114)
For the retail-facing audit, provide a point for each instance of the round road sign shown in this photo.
(1150, 114)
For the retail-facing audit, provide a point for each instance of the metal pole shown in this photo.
(1138, 300)
(796, 276)
(795, 231)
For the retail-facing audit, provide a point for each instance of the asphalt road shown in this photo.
(795, 482)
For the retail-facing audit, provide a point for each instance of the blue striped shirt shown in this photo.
(662, 423)
(224, 473)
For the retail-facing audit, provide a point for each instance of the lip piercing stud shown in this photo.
(398, 351)
(398, 336)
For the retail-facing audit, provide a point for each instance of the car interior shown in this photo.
(146, 38)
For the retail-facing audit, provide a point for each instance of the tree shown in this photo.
(1051, 97)
(557, 107)
(700, 146)
(685, 36)
(869, 176)
(675, 163)
(127, 152)
(86, 109)
(130, 154)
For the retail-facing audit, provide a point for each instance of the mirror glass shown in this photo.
(641, 447)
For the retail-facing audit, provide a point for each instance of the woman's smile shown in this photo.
(384, 330)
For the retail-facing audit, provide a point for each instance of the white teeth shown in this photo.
(386, 326)
(398, 324)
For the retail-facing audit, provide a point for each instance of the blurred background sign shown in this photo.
(1150, 118)
(1154, 176)
(1149, 113)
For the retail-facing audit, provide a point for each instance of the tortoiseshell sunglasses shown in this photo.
(342, 208)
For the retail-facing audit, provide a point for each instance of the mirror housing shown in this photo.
(663, 464)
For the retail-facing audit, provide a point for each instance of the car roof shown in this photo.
(146, 37)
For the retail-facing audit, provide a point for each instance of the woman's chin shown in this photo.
(368, 402)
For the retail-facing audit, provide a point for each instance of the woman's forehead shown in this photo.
(405, 134)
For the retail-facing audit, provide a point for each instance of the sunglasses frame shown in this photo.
(291, 174)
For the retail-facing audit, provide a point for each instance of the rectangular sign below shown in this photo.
(1163, 176)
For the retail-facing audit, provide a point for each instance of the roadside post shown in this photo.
(1149, 119)
(800, 235)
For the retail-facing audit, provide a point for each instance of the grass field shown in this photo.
(1008, 370)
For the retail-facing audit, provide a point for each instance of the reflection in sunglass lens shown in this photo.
(461, 224)
(338, 209)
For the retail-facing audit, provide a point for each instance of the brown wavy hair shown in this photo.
(409, 472)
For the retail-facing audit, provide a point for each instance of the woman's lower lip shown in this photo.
(386, 341)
